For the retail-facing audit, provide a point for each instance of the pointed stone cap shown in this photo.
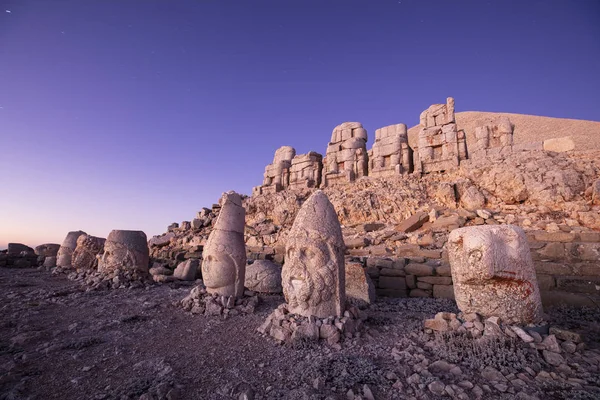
(317, 215)
(232, 216)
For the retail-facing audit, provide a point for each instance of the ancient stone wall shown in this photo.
(277, 174)
(390, 154)
(305, 171)
(346, 158)
(567, 266)
(441, 146)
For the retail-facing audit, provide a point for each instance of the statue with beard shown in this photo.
(314, 271)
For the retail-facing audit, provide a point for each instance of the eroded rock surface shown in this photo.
(493, 273)
(313, 275)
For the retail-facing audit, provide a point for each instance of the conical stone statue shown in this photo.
(313, 276)
(224, 256)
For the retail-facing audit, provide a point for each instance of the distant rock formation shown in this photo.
(346, 158)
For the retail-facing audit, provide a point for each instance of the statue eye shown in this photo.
(475, 256)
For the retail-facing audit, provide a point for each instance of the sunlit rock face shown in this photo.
(84, 256)
(65, 252)
(277, 174)
(313, 276)
(263, 276)
(493, 273)
(125, 251)
(346, 158)
(224, 256)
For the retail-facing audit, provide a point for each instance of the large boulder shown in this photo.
(68, 246)
(125, 251)
(493, 273)
(84, 256)
(16, 250)
(360, 290)
(47, 250)
(263, 276)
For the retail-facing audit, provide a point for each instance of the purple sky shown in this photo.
(124, 114)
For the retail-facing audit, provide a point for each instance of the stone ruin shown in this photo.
(346, 158)
(440, 145)
(68, 246)
(125, 256)
(313, 274)
(390, 154)
(313, 280)
(18, 255)
(88, 248)
(493, 273)
(47, 254)
(306, 171)
(495, 137)
(223, 265)
(277, 174)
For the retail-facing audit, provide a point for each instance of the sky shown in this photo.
(132, 114)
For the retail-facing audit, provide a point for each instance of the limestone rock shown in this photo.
(390, 154)
(346, 158)
(440, 144)
(559, 144)
(47, 249)
(277, 174)
(313, 276)
(125, 251)
(68, 246)
(15, 249)
(263, 276)
(186, 271)
(360, 290)
(84, 255)
(493, 273)
(306, 170)
(224, 256)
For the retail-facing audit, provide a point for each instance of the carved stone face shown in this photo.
(84, 256)
(221, 266)
(65, 252)
(493, 273)
(310, 274)
(313, 274)
(125, 251)
(224, 256)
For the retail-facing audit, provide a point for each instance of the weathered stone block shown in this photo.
(443, 291)
(392, 282)
(493, 273)
(561, 144)
(419, 269)
(360, 289)
(545, 282)
(436, 280)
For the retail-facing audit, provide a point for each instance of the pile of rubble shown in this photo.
(289, 328)
(199, 301)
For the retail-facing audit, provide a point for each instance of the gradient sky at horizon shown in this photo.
(123, 114)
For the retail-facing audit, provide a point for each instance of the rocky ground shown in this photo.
(59, 341)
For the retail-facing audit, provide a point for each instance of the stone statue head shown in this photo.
(224, 256)
(84, 256)
(493, 273)
(313, 274)
(65, 252)
(125, 251)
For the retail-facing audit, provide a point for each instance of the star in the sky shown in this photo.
(8, 11)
